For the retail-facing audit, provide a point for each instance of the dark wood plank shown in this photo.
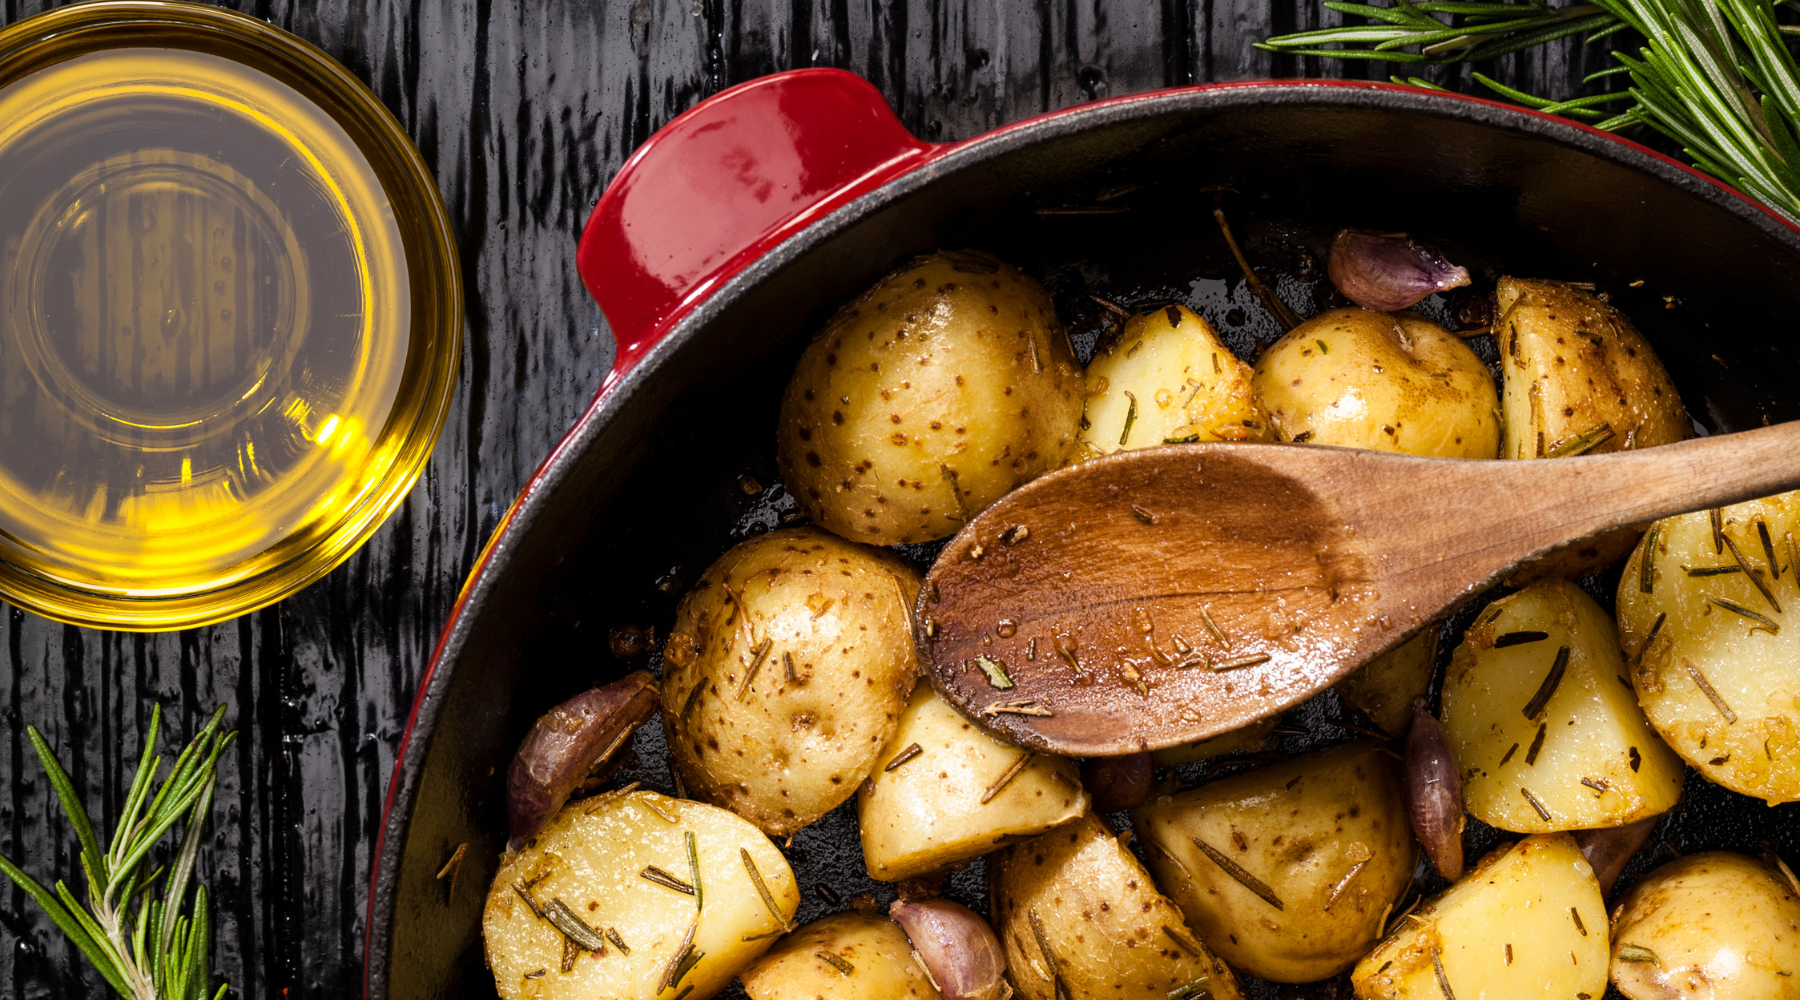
(524, 108)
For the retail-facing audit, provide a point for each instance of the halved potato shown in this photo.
(947, 792)
(1250, 737)
(1718, 679)
(931, 396)
(1287, 871)
(585, 872)
(1710, 925)
(1386, 382)
(1544, 723)
(1527, 922)
(1384, 688)
(846, 956)
(786, 672)
(1079, 918)
(1168, 379)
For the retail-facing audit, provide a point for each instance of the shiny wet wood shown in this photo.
(1154, 598)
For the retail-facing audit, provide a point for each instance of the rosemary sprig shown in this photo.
(145, 948)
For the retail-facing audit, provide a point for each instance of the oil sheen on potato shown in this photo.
(203, 321)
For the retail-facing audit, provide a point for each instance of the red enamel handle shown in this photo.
(724, 183)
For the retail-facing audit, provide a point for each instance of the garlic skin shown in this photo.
(957, 948)
(1388, 271)
(1434, 792)
(1116, 783)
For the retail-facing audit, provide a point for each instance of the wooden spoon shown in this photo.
(1157, 597)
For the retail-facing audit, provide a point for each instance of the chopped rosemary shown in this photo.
(1655, 627)
(1237, 872)
(1283, 314)
(1181, 940)
(668, 980)
(1537, 743)
(1213, 627)
(1768, 544)
(1793, 552)
(453, 868)
(1519, 638)
(1344, 883)
(903, 756)
(1542, 699)
(1717, 517)
(1143, 514)
(1509, 754)
(1242, 661)
(1712, 693)
(1043, 943)
(1130, 417)
(1599, 785)
(758, 655)
(1637, 953)
(1744, 564)
(1196, 990)
(762, 887)
(1582, 443)
(1187, 439)
(571, 951)
(1006, 777)
(1543, 813)
(835, 961)
(693, 851)
(524, 892)
(609, 797)
(995, 671)
(1027, 707)
(649, 802)
(651, 873)
(1710, 570)
(693, 697)
(1575, 915)
(564, 919)
(1762, 621)
(1437, 966)
(688, 961)
(1647, 568)
(613, 936)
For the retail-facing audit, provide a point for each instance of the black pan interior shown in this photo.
(680, 465)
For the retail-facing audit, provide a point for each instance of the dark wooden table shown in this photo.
(524, 108)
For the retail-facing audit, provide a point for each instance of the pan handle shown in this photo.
(724, 183)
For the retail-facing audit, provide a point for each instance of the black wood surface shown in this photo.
(524, 108)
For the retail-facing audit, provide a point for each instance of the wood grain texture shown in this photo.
(524, 108)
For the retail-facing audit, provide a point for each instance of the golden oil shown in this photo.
(204, 323)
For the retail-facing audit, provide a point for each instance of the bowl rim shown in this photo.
(679, 329)
(434, 353)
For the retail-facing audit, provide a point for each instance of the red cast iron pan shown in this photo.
(731, 236)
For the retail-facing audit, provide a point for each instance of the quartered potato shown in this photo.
(1544, 722)
(1080, 919)
(1527, 922)
(943, 387)
(1287, 871)
(1714, 658)
(1713, 925)
(786, 672)
(635, 897)
(1250, 737)
(1384, 688)
(1386, 382)
(947, 792)
(846, 956)
(1579, 378)
(1168, 379)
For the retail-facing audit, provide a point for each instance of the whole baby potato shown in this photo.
(1168, 379)
(786, 673)
(1382, 381)
(942, 388)
(846, 956)
(1287, 871)
(1710, 925)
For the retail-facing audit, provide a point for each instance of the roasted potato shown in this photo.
(1168, 379)
(1527, 922)
(934, 394)
(1713, 660)
(786, 673)
(570, 916)
(1079, 918)
(1713, 925)
(1579, 378)
(1250, 737)
(1544, 723)
(1384, 688)
(947, 792)
(1385, 382)
(1287, 871)
(846, 956)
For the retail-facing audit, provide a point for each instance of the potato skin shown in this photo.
(1504, 931)
(926, 814)
(1719, 925)
(1384, 688)
(589, 857)
(1112, 934)
(879, 955)
(1592, 727)
(783, 749)
(1250, 737)
(1751, 670)
(1384, 382)
(1301, 826)
(943, 387)
(1174, 380)
(1573, 364)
